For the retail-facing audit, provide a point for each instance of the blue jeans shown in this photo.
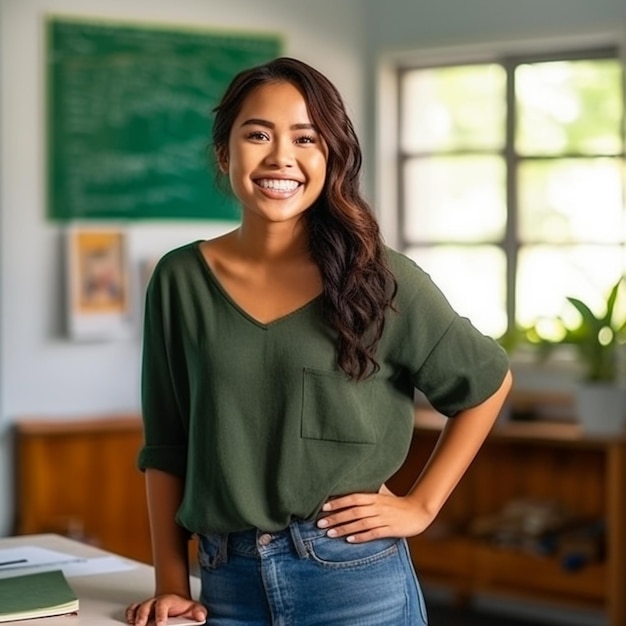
(301, 577)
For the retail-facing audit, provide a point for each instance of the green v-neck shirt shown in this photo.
(259, 419)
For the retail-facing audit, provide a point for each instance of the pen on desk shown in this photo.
(15, 562)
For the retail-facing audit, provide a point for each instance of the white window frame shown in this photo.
(387, 150)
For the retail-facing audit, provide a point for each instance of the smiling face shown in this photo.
(276, 159)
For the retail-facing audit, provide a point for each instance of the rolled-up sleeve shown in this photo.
(463, 369)
(449, 360)
(164, 390)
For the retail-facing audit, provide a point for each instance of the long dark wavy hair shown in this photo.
(344, 236)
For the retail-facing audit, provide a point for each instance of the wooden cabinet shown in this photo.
(535, 460)
(79, 478)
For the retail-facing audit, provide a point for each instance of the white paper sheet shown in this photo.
(98, 565)
(35, 559)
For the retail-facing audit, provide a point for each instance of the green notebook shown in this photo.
(36, 595)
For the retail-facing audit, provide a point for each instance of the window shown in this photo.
(512, 177)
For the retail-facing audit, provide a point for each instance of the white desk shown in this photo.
(102, 597)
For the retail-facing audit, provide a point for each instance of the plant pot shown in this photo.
(601, 408)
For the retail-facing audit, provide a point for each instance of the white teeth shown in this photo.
(278, 184)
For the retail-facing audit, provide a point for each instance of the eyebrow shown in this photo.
(259, 122)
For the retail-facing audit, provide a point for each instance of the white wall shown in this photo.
(41, 373)
(405, 24)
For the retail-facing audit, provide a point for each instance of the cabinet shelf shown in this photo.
(555, 462)
(508, 571)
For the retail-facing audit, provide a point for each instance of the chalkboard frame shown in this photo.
(129, 117)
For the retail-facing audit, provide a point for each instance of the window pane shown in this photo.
(452, 108)
(571, 200)
(547, 275)
(473, 279)
(570, 107)
(454, 199)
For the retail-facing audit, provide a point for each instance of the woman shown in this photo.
(280, 363)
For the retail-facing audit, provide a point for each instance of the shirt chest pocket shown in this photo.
(335, 408)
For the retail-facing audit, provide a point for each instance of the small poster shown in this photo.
(99, 298)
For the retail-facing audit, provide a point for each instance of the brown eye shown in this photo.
(257, 135)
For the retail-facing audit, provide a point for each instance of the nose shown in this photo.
(281, 153)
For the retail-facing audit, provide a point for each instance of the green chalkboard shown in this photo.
(129, 118)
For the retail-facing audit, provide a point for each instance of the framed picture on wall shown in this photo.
(99, 283)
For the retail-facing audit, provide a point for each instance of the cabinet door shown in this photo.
(80, 479)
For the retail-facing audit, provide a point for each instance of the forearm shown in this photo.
(456, 448)
(169, 540)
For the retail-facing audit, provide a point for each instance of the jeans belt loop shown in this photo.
(296, 537)
(222, 550)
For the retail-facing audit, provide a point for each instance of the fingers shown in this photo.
(352, 500)
(143, 613)
(357, 518)
(161, 607)
(349, 508)
(345, 517)
(161, 611)
(130, 613)
(199, 614)
(360, 531)
(139, 612)
(364, 517)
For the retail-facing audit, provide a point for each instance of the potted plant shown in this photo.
(600, 399)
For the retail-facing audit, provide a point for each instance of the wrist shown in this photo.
(175, 585)
(428, 507)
